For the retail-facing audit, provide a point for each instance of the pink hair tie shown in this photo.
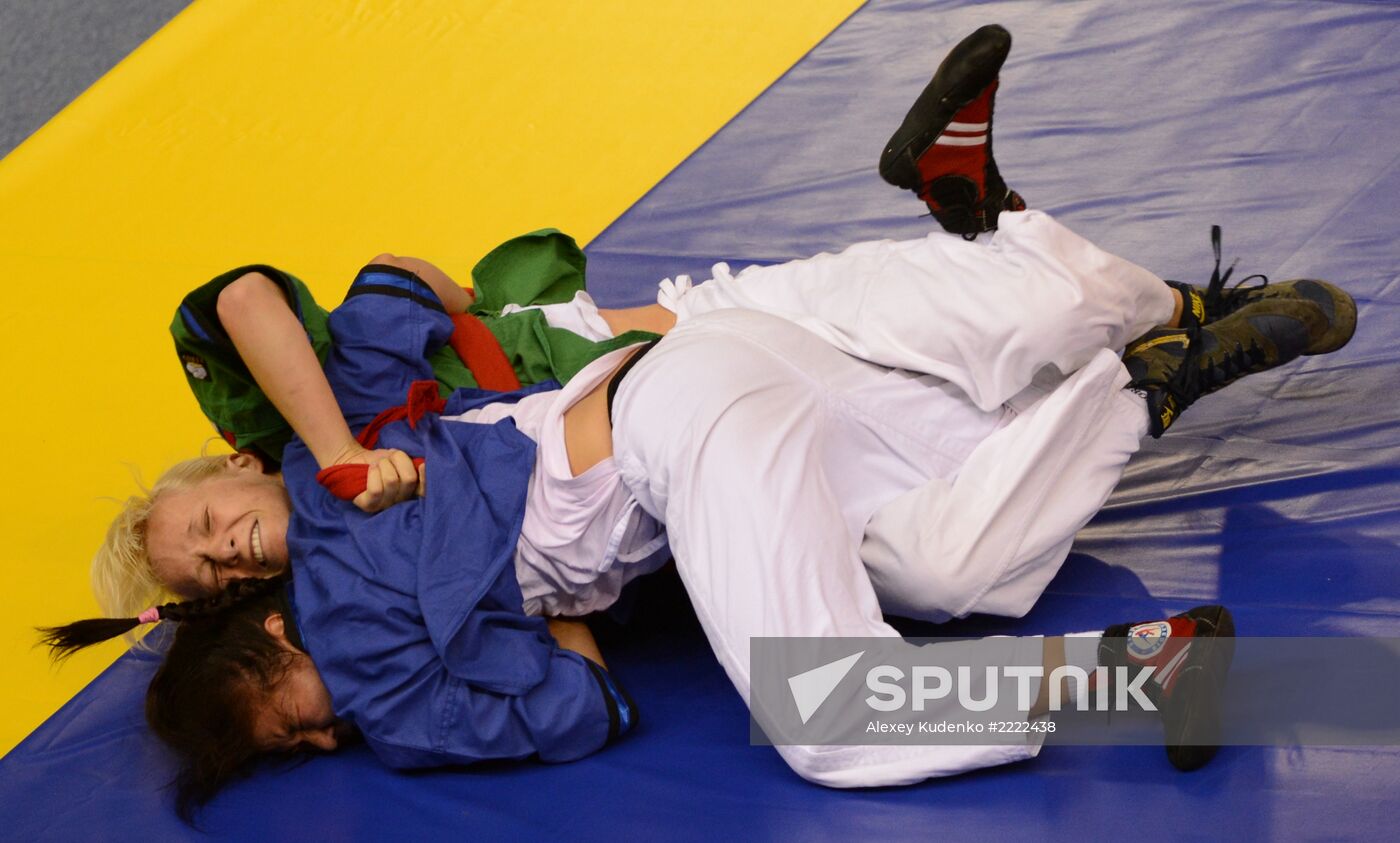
(151, 615)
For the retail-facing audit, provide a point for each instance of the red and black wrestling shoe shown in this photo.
(1190, 654)
(943, 149)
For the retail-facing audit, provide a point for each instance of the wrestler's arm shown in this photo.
(274, 346)
(652, 317)
(455, 299)
(576, 636)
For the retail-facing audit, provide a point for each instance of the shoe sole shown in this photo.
(970, 66)
(1193, 722)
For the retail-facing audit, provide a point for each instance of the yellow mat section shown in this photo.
(310, 136)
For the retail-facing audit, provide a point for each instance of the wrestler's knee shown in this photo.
(917, 569)
(818, 765)
(883, 766)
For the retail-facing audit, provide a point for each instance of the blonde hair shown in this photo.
(122, 577)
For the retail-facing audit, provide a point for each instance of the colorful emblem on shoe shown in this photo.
(1147, 639)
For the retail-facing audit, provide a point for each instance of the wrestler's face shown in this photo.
(296, 712)
(231, 526)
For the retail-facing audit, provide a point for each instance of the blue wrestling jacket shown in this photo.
(413, 615)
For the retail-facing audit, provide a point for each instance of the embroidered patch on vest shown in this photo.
(195, 366)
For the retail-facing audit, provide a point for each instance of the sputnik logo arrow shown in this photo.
(810, 689)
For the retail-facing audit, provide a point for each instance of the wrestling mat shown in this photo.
(1137, 126)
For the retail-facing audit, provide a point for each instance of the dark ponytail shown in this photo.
(64, 641)
(204, 699)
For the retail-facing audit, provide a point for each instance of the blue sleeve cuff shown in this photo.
(383, 280)
(622, 711)
(384, 333)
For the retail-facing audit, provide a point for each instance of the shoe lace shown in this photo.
(1185, 383)
(958, 219)
(1219, 302)
(1230, 366)
(1191, 380)
(971, 220)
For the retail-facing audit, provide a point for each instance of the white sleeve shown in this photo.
(579, 315)
(669, 293)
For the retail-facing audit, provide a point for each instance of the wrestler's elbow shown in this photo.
(248, 294)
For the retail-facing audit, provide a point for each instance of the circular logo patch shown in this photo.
(1147, 639)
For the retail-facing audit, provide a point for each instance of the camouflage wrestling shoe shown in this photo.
(943, 149)
(1202, 307)
(1190, 654)
(1172, 367)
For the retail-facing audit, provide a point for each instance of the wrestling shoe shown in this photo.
(943, 149)
(1172, 367)
(1203, 307)
(1190, 654)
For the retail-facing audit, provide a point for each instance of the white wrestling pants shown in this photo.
(803, 489)
(989, 535)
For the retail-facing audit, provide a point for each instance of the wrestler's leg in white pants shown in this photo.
(991, 538)
(986, 317)
(744, 434)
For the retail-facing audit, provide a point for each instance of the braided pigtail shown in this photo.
(64, 641)
(235, 593)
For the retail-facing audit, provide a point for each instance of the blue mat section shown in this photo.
(1139, 127)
